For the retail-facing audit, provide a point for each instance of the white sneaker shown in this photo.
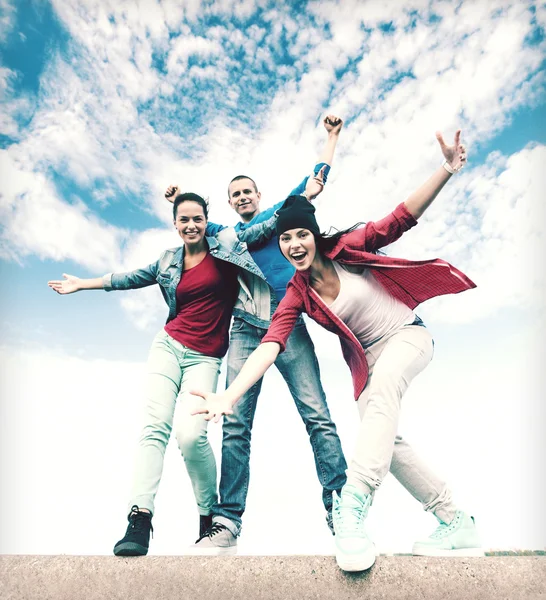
(458, 538)
(216, 540)
(354, 549)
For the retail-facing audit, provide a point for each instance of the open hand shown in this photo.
(217, 405)
(171, 192)
(69, 285)
(332, 124)
(315, 184)
(456, 154)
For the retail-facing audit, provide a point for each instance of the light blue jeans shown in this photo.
(299, 367)
(174, 370)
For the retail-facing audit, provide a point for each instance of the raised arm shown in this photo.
(333, 126)
(385, 231)
(455, 159)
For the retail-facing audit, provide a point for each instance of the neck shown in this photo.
(318, 269)
(195, 249)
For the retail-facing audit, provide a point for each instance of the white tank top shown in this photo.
(367, 309)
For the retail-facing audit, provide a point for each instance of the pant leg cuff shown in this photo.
(231, 525)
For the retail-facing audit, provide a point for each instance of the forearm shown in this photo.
(423, 197)
(327, 155)
(95, 283)
(253, 369)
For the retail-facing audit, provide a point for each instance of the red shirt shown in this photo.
(205, 298)
(411, 282)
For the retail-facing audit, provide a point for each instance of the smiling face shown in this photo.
(299, 247)
(244, 198)
(190, 222)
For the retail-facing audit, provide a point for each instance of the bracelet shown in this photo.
(450, 169)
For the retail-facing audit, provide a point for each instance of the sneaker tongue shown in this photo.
(351, 499)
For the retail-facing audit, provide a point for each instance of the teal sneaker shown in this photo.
(458, 538)
(354, 549)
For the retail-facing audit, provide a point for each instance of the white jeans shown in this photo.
(393, 362)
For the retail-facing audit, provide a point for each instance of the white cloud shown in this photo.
(37, 222)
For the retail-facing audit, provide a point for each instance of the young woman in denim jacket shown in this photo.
(367, 299)
(199, 282)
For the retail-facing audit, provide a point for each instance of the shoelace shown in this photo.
(444, 529)
(349, 517)
(140, 520)
(212, 531)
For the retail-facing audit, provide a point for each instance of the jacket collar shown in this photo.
(178, 255)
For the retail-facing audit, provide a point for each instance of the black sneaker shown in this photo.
(204, 523)
(330, 521)
(137, 536)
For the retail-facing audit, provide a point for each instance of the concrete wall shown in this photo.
(271, 578)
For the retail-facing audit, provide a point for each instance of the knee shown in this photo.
(191, 440)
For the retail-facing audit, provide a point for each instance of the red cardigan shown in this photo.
(411, 282)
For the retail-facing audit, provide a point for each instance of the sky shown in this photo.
(103, 106)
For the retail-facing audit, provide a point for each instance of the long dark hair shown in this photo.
(327, 241)
(190, 197)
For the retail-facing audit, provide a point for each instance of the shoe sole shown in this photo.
(357, 562)
(130, 549)
(443, 552)
(217, 551)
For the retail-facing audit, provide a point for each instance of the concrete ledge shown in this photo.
(270, 578)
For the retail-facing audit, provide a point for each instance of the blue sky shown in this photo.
(103, 107)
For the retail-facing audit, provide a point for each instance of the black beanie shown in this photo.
(296, 212)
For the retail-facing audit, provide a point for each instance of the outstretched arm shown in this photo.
(71, 284)
(253, 369)
(455, 159)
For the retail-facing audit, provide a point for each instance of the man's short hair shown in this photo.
(243, 177)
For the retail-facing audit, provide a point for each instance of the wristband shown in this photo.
(450, 169)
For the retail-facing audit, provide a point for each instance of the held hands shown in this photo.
(217, 405)
(455, 155)
(69, 285)
(314, 185)
(332, 124)
(171, 192)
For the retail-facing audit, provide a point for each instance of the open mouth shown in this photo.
(298, 257)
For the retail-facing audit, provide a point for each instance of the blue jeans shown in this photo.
(300, 369)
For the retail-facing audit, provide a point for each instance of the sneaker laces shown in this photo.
(349, 517)
(445, 529)
(140, 520)
(213, 530)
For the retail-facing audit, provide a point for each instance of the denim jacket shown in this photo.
(227, 245)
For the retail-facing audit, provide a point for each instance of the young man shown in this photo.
(298, 365)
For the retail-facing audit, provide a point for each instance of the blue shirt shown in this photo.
(276, 269)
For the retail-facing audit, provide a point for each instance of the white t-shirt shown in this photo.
(367, 309)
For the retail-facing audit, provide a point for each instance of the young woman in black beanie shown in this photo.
(368, 300)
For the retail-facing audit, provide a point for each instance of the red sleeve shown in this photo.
(376, 234)
(285, 317)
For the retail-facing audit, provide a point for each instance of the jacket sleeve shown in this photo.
(213, 229)
(132, 279)
(284, 318)
(258, 234)
(377, 234)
